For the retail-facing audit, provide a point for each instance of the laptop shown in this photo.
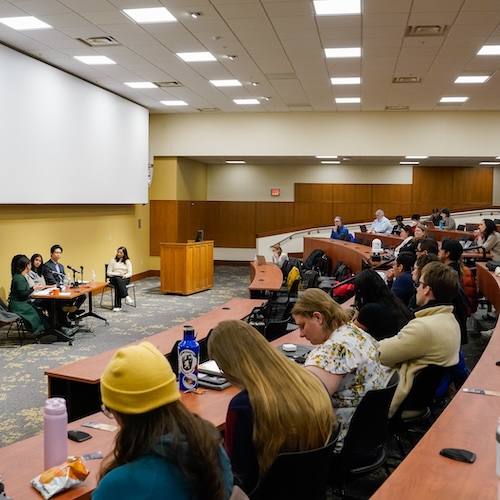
(261, 260)
(363, 228)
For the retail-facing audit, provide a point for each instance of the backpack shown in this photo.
(314, 259)
(341, 271)
(310, 279)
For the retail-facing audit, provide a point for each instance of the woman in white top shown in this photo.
(407, 235)
(119, 273)
(489, 238)
(279, 257)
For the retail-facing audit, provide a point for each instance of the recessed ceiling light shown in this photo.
(343, 52)
(24, 23)
(416, 157)
(232, 57)
(196, 15)
(337, 7)
(472, 79)
(347, 100)
(346, 80)
(174, 103)
(489, 50)
(246, 101)
(225, 83)
(95, 60)
(235, 161)
(489, 163)
(150, 15)
(196, 56)
(330, 162)
(453, 99)
(141, 85)
(409, 162)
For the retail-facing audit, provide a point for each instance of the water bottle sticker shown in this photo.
(187, 361)
(189, 382)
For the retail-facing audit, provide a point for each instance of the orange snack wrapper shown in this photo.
(61, 477)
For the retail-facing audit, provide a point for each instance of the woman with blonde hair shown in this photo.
(346, 358)
(279, 257)
(281, 408)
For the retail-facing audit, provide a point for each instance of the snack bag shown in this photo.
(62, 477)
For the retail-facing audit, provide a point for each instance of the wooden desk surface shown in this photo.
(89, 370)
(72, 293)
(22, 461)
(439, 233)
(389, 239)
(265, 278)
(469, 422)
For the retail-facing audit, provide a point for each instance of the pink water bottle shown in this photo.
(55, 432)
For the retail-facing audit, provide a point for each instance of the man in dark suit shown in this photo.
(54, 274)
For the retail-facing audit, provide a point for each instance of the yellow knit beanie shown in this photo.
(138, 379)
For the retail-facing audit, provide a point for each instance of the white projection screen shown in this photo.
(66, 141)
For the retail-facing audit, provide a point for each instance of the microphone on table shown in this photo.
(72, 269)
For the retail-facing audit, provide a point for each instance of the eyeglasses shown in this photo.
(106, 411)
(418, 283)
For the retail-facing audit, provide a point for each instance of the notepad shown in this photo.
(210, 367)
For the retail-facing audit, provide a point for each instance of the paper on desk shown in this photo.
(43, 293)
(482, 391)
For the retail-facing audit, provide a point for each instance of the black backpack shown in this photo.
(341, 271)
(318, 261)
(310, 279)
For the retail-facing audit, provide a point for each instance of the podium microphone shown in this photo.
(72, 269)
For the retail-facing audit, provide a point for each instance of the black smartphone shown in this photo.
(78, 436)
(458, 454)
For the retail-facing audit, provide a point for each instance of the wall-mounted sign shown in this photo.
(275, 192)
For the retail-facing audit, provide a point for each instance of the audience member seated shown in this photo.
(448, 221)
(119, 273)
(19, 299)
(415, 220)
(346, 358)
(381, 224)
(54, 274)
(339, 230)
(489, 238)
(279, 257)
(402, 284)
(379, 312)
(450, 254)
(396, 230)
(435, 217)
(407, 234)
(421, 261)
(281, 407)
(427, 246)
(433, 337)
(161, 450)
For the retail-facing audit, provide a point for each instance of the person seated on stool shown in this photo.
(54, 274)
(119, 273)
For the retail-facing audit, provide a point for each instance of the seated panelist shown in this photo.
(119, 273)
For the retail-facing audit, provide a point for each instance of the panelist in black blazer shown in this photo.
(54, 274)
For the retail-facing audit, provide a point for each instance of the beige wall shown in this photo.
(89, 235)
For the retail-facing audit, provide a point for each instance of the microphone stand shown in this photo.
(81, 273)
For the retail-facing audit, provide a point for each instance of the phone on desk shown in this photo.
(78, 436)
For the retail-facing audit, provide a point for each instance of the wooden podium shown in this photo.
(186, 268)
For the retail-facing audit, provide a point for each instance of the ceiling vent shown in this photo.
(427, 30)
(407, 79)
(169, 84)
(397, 108)
(208, 110)
(100, 41)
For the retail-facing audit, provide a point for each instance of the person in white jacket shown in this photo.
(119, 273)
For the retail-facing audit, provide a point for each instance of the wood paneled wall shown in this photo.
(235, 224)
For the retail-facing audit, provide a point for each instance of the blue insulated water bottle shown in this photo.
(189, 351)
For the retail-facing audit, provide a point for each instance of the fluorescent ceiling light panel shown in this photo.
(346, 80)
(152, 15)
(489, 50)
(343, 52)
(489, 163)
(337, 7)
(333, 162)
(415, 157)
(235, 161)
(347, 100)
(409, 162)
(471, 79)
(141, 85)
(24, 23)
(326, 157)
(174, 103)
(225, 83)
(453, 99)
(196, 56)
(246, 101)
(95, 60)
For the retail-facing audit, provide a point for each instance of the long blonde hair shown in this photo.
(292, 410)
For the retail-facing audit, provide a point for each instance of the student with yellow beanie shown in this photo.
(162, 450)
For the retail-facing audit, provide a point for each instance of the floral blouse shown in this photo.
(351, 352)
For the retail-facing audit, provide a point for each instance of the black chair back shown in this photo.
(276, 329)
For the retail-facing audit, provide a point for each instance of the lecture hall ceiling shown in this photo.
(412, 51)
